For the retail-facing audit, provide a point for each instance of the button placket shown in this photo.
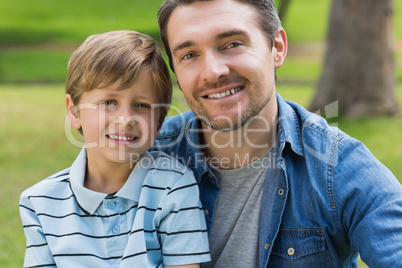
(111, 205)
(281, 192)
(206, 212)
(116, 229)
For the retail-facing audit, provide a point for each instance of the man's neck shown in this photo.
(240, 147)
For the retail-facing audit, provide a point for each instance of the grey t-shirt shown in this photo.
(235, 227)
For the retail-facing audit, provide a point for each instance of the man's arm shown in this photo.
(368, 199)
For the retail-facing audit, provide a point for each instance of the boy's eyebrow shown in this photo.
(111, 94)
(222, 35)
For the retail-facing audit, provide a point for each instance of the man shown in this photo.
(280, 188)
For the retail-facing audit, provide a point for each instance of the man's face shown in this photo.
(224, 63)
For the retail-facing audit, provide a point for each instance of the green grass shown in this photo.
(37, 38)
(307, 21)
(72, 21)
(31, 65)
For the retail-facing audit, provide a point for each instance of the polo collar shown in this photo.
(89, 200)
(132, 188)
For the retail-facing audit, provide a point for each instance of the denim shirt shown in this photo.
(333, 197)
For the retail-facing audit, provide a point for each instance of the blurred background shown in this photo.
(38, 37)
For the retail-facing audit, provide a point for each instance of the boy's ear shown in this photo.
(72, 113)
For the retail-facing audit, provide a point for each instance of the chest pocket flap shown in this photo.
(293, 244)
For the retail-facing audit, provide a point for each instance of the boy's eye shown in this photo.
(142, 105)
(111, 105)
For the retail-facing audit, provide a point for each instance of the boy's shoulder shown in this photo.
(166, 163)
(50, 184)
(167, 172)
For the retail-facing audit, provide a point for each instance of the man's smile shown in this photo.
(225, 93)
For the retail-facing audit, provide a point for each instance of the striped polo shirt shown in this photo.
(156, 218)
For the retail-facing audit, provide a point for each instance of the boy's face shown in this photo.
(118, 125)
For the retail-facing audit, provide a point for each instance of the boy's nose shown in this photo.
(127, 120)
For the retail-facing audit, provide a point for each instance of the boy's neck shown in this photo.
(106, 178)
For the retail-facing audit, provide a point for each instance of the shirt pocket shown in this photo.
(299, 248)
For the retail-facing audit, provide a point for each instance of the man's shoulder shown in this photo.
(316, 122)
(174, 126)
(325, 145)
(178, 135)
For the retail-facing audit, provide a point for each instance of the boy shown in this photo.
(117, 205)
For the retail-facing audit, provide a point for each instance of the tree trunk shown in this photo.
(359, 62)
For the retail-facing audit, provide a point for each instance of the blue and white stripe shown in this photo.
(155, 219)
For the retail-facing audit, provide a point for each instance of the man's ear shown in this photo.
(72, 112)
(280, 47)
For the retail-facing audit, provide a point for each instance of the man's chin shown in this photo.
(223, 125)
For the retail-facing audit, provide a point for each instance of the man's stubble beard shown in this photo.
(223, 123)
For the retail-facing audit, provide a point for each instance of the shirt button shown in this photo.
(281, 192)
(291, 251)
(206, 212)
(266, 246)
(111, 205)
(116, 229)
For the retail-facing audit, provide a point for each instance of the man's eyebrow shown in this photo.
(183, 45)
(231, 33)
(222, 35)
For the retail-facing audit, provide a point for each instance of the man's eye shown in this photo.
(188, 56)
(233, 45)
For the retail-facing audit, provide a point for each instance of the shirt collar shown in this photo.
(132, 188)
(289, 131)
(90, 200)
(87, 199)
(196, 161)
(289, 126)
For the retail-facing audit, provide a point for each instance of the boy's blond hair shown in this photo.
(103, 59)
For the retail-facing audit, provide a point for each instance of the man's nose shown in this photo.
(214, 66)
